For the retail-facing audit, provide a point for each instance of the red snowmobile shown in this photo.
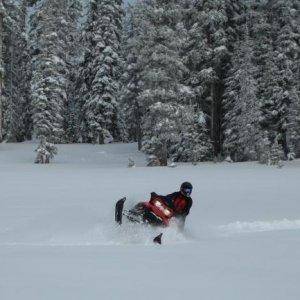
(154, 212)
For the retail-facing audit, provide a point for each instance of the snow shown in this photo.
(58, 240)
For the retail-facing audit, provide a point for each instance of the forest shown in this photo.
(188, 80)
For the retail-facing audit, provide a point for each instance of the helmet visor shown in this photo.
(187, 191)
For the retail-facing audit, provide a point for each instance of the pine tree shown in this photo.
(260, 31)
(75, 50)
(162, 130)
(242, 137)
(279, 96)
(208, 55)
(285, 16)
(237, 15)
(130, 104)
(18, 118)
(2, 15)
(48, 32)
(194, 142)
(45, 151)
(101, 69)
(162, 73)
(275, 154)
(196, 58)
(275, 102)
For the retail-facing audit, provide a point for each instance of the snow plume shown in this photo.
(77, 227)
(259, 226)
(108, 233)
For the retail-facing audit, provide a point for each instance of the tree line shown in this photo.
(188, 80)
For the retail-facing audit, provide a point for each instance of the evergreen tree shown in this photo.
(276, 154)
(275, 103)
(242, 137)
(162, 130)
(285, 16)
(208, 55)
(48, 32)
(162, 72)
(2, 15)
(101, 69)
(279, 97)
(17, 121)
(196, 58)
(260, 31)
(194, 142)
(75, 51)
(130, 104)
(45, 151)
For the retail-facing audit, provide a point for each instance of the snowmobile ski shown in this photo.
(157, 239)
(119, 210)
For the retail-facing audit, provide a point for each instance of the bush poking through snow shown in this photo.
(172, 164)
(131, 163)
(45, 151)
(228, 159)
(276, 154)
(291, 156)
(153, 161)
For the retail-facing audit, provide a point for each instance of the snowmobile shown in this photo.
(154, 212)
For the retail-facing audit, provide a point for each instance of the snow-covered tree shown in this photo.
(279, 84)
(285, 16)
(101, 69)
(2, 15)
(194, 141)
(207, 56)
(131, 107)
(242, 111)
(17, 119)
(75, 50)
(48, 32)
(276, 153)
(162, 128)
(275, 102)
(260, 31)
(159, 41)
(45, 151)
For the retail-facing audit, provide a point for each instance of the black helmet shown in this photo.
(186, 188)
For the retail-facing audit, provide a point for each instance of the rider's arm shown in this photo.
(190, 203)
(181, 218)
(169, 199)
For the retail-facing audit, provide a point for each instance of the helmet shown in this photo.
(186, 189)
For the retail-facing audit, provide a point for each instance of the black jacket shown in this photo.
(180, 204)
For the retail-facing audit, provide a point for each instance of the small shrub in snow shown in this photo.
(172, 164)
(291, 156)
(228, 159)
(45, 152)
(153, 161)
(131, 163)
(276, 154)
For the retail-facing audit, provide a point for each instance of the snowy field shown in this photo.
(58, 240)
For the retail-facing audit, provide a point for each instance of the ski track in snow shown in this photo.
(258, 226)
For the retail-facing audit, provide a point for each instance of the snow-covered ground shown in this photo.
(58, 240)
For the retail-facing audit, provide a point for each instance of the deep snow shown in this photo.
(58, 240)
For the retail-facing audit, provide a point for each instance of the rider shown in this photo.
(180, 202)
